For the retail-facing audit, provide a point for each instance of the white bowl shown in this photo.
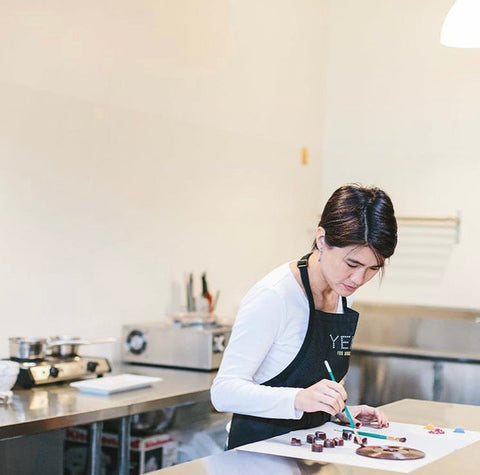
(8, 374)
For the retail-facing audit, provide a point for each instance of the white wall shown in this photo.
(403, 112)
(140, 140)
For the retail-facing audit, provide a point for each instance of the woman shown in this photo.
(273, 376)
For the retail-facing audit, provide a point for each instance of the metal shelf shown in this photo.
(452, 222)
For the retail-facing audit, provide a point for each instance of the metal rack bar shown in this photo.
(124, 446)
(429, 221)
(94, 448)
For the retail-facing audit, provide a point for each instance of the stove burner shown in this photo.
(60, 369)
(27, 360)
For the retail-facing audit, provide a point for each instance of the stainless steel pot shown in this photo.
(63, 346)
(27, 348)
(31, 348)
(66, 346)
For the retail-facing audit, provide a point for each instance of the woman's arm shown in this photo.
(259, 320)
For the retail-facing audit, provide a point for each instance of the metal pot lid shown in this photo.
(27, 339)
(63, 339)
(69, 340)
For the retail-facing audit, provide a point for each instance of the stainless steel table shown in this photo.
(52, 407)
(406, 351)
(465, 461)
(396, 355)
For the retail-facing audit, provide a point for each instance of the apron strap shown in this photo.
(302, 265)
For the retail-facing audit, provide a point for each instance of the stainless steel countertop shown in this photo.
(51, 407)
(465, 461)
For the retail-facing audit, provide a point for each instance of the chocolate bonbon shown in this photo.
(320, 435)
(295, 441)
(310, 438)
(317, 447)
(338, 441)
(363, 440)
(329, 443)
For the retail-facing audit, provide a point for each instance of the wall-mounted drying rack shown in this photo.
(451, 222)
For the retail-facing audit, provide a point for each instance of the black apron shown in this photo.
(329, 337)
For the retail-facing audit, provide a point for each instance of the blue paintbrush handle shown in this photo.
(350, 419)
(347, 412)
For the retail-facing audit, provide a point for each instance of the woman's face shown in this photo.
(345, 269)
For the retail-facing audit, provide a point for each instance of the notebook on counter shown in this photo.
(114, 384)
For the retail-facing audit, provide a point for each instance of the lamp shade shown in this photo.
(461, 28)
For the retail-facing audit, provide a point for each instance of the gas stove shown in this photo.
(51, 369)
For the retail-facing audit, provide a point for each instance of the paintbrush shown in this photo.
(347, 412)
(376, 436)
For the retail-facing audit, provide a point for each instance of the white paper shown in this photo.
(114, 384)
(435, 446)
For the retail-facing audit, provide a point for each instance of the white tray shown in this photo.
(114, 384)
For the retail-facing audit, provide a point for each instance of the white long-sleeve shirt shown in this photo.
(267, 335)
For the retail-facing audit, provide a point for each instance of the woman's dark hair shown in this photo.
(357, 215)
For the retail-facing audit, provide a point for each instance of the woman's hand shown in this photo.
(327, 396)
(364, 414)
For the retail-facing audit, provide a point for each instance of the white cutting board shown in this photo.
(114, 384)
(435, 446)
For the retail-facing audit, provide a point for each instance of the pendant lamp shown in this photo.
(461, 28)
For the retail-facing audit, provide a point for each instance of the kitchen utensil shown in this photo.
(190, 296)
(27, 348)
(347, 412)
(375, 435)
(8, 375)
(66, 346)
(205, 292)
(35, 349)
(63, 345)
(215, 300)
